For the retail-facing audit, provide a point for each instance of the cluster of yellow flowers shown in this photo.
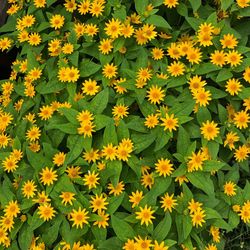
(124, 124)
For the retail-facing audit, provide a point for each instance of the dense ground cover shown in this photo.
(125, 125)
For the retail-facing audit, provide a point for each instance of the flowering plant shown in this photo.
(125, 124)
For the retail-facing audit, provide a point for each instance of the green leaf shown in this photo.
(216, 93)
(36, 221)
(67, 128)
(195, 4)
(224, 74)
(202, 181)
(205, 68)
(51, 234)
(140, 6)
(114, 203)
(25, 237)
(225, 4)
(112, 243)
(158, 21)
(76, 144)
(213, 165)
(100, 102)
(184, 226)
(162, 185)
(142, 141)
(88, 68)
(203, 115)
(122, 229)
(194, 23)
(115, 167)
(183, 141)
(52, 86)
(110, 135)
(162, 229)
(244, 94)
(70, 114)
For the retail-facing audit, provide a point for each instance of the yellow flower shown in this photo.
(241, 119)
(28, 21)
(157, 53)
(105, 46)
(246, 74)
(241, 153)
(205, 39)
(243, 3)
(34, 39)
(198, 218)
(151, 121)
(234, 58)
(194, 55)
(83, 7)
(245, 212)
(110, 70)
(48, 176)
(135, 198)
(91, 29)
(209, 130)
(144, 74)
(59, 158)
(195, 162)
(211, 247)
(155, 94)
(147, 180)
(39, 3)
(6, 223)
(145, 215)
(214, 231)
(12, 209)
(228, 41)
(86, 129)
(170, 122)
(91, 179)
(33, 133)
(91, 156)
(171, 3)
(98, 202)
(168, 202)
(229, 188)
(164, 167)
(202, 97)
(176, 69)
(113, 28)
(207, 28)
(67, 197)
(5, 43)
(9, 164)
(79, 217)
(127, 30)
(231, 138)
(96, 9)
(174, 51)
(218, 57)
(129, 245)
(68, 48)
(109, 152)
(29, 189)
(149, 32)
(102, 220)
(3, 235)
(73, 172)
(116, 190)
(196, 84)
(46, 211)
(233, 86)
(120, 111)
(194, 206)
(70, 5)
